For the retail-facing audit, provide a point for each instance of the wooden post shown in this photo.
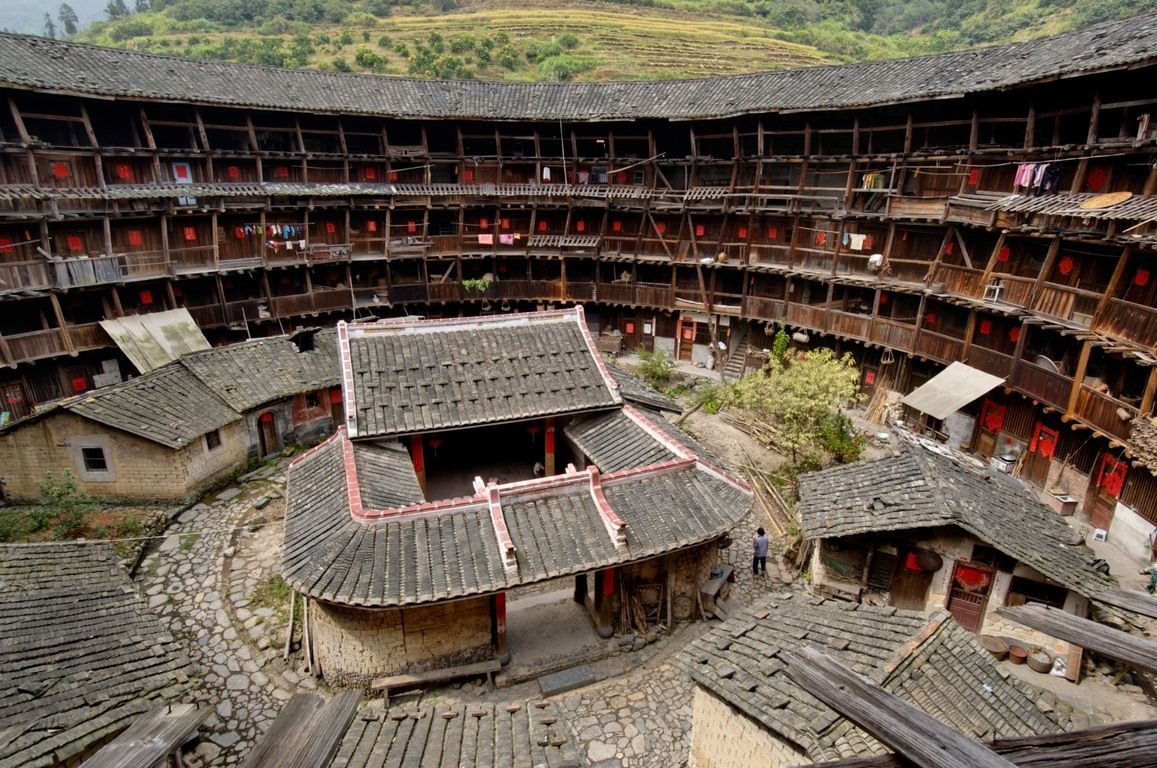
(548, 462)
(417, 455)
(1078, 377)
(501, 650)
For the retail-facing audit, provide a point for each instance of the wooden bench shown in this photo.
(436, 676)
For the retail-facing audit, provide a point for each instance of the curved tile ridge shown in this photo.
(679, 449)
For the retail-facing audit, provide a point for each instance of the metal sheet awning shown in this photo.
(156, 339)
(950, 390)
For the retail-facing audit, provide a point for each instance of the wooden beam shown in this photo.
(1130, 600)
(1102, 746)
(151, 738)
(1114, 643)
(918, 736)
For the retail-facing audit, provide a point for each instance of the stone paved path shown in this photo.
(201, 585)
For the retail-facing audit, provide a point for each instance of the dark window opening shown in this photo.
(984, 555)
(94, 459)
(1023, 590)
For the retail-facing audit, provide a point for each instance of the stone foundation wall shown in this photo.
(355, 645)
(723, 737)
(690, 569)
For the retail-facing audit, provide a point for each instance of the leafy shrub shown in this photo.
(655, 367)
(569, 41)
(564, 67)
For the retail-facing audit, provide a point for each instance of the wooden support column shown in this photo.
(418, 456)
(60, 322)
(1078, 377)
(1149, 394)
(600, 606)
(1111, 290)
(580, 589)
(498, 611)
(548, 461)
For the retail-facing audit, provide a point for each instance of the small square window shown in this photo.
(94, 460)
(213, 440)
(311, 400)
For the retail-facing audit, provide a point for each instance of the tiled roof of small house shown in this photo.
(637, 391)
(169, 406)
(402, 377)
(927, 660)
(475, 735)
(81, 656)
(340, 548)
(920, 488)
(250, 373)
(39, 63)
(615, 441)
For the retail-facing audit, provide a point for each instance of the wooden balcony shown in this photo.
(240, 313)
(1105, 412)
(1012, 289)
(1127, 320)
(198, 259)
(322, 253)
(961, 281)
(35, 345)
(89, 336)
(806, 316)
(288, 306)
(547, 290)
(937, 346)
(448, 291)
(580, 291)
(616, 293)
(367, 248)
(660, 296)
(208, 316)
(408, 294)
(930, 208)
(1041, 384)
(990, 361)
(1067, 303)
(894, 335)
(24, 276)
(850, 325)
(332, 299)
(118, 268)
(762, 308)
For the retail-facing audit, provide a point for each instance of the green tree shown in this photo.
(656, 368)
(797, 398)
(116, 9)
(49, 27)
(68, 19)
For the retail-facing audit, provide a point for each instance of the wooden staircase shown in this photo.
(736, 354)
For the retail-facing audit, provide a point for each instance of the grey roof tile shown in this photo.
(410, 377)
(614, 442)
(169, 406)
(80, 655)
(927, 660)
(922, 489)
(71, 68)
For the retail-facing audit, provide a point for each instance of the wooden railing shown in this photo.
(806, 316)
(917, 207)
(451, 290)
(118, 268)
(208, 316)
(580, 291)
(764, 308)
(287, 306)
(245, 311)
(408, 294)
(332, 299)
(1130, 321)
(196, 259)
(89, 336)
(660, 296)
(1067, 303)
(849, 324)
(1104, 412)
(961, 281)
(779, 255)
(893, 334)
(990, 361)
(1015, 290)
(1041, 384)
(21, 275)
(937, 346)
(24, 347)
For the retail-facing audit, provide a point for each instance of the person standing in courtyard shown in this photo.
(759, 553)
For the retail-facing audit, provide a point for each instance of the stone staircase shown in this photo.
(737, 354)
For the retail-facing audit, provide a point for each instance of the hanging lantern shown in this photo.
(1013, 334)
(1003, 254)
(1065, 266)
(1141, 278)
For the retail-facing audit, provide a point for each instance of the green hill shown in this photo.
(556, 40)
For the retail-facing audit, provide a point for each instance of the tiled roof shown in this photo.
(386, 475)
(169, 406)
(340, 548)
(404, 377)
(460, 736)
(41, 64)
(250, 373)
(929, 661)
(637, 391)
(614, 441)
(919, 488)
(81, 656)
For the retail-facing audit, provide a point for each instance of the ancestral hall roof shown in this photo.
(340, 546)
(404, 377)
(927, 660)
(81, 656)
(41, 64)
(920, 488)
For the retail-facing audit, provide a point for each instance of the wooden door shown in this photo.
(968, 594)
(910, 589)
(686, 338)
(1036, 464)
(1104, 488)
(267, 431)
(988, 426)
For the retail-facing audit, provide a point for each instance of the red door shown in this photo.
(968, 594)
(1104, 489)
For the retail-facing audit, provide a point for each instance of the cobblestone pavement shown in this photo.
(200, 583)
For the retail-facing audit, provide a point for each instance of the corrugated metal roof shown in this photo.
(950, 390)
(43, 64)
